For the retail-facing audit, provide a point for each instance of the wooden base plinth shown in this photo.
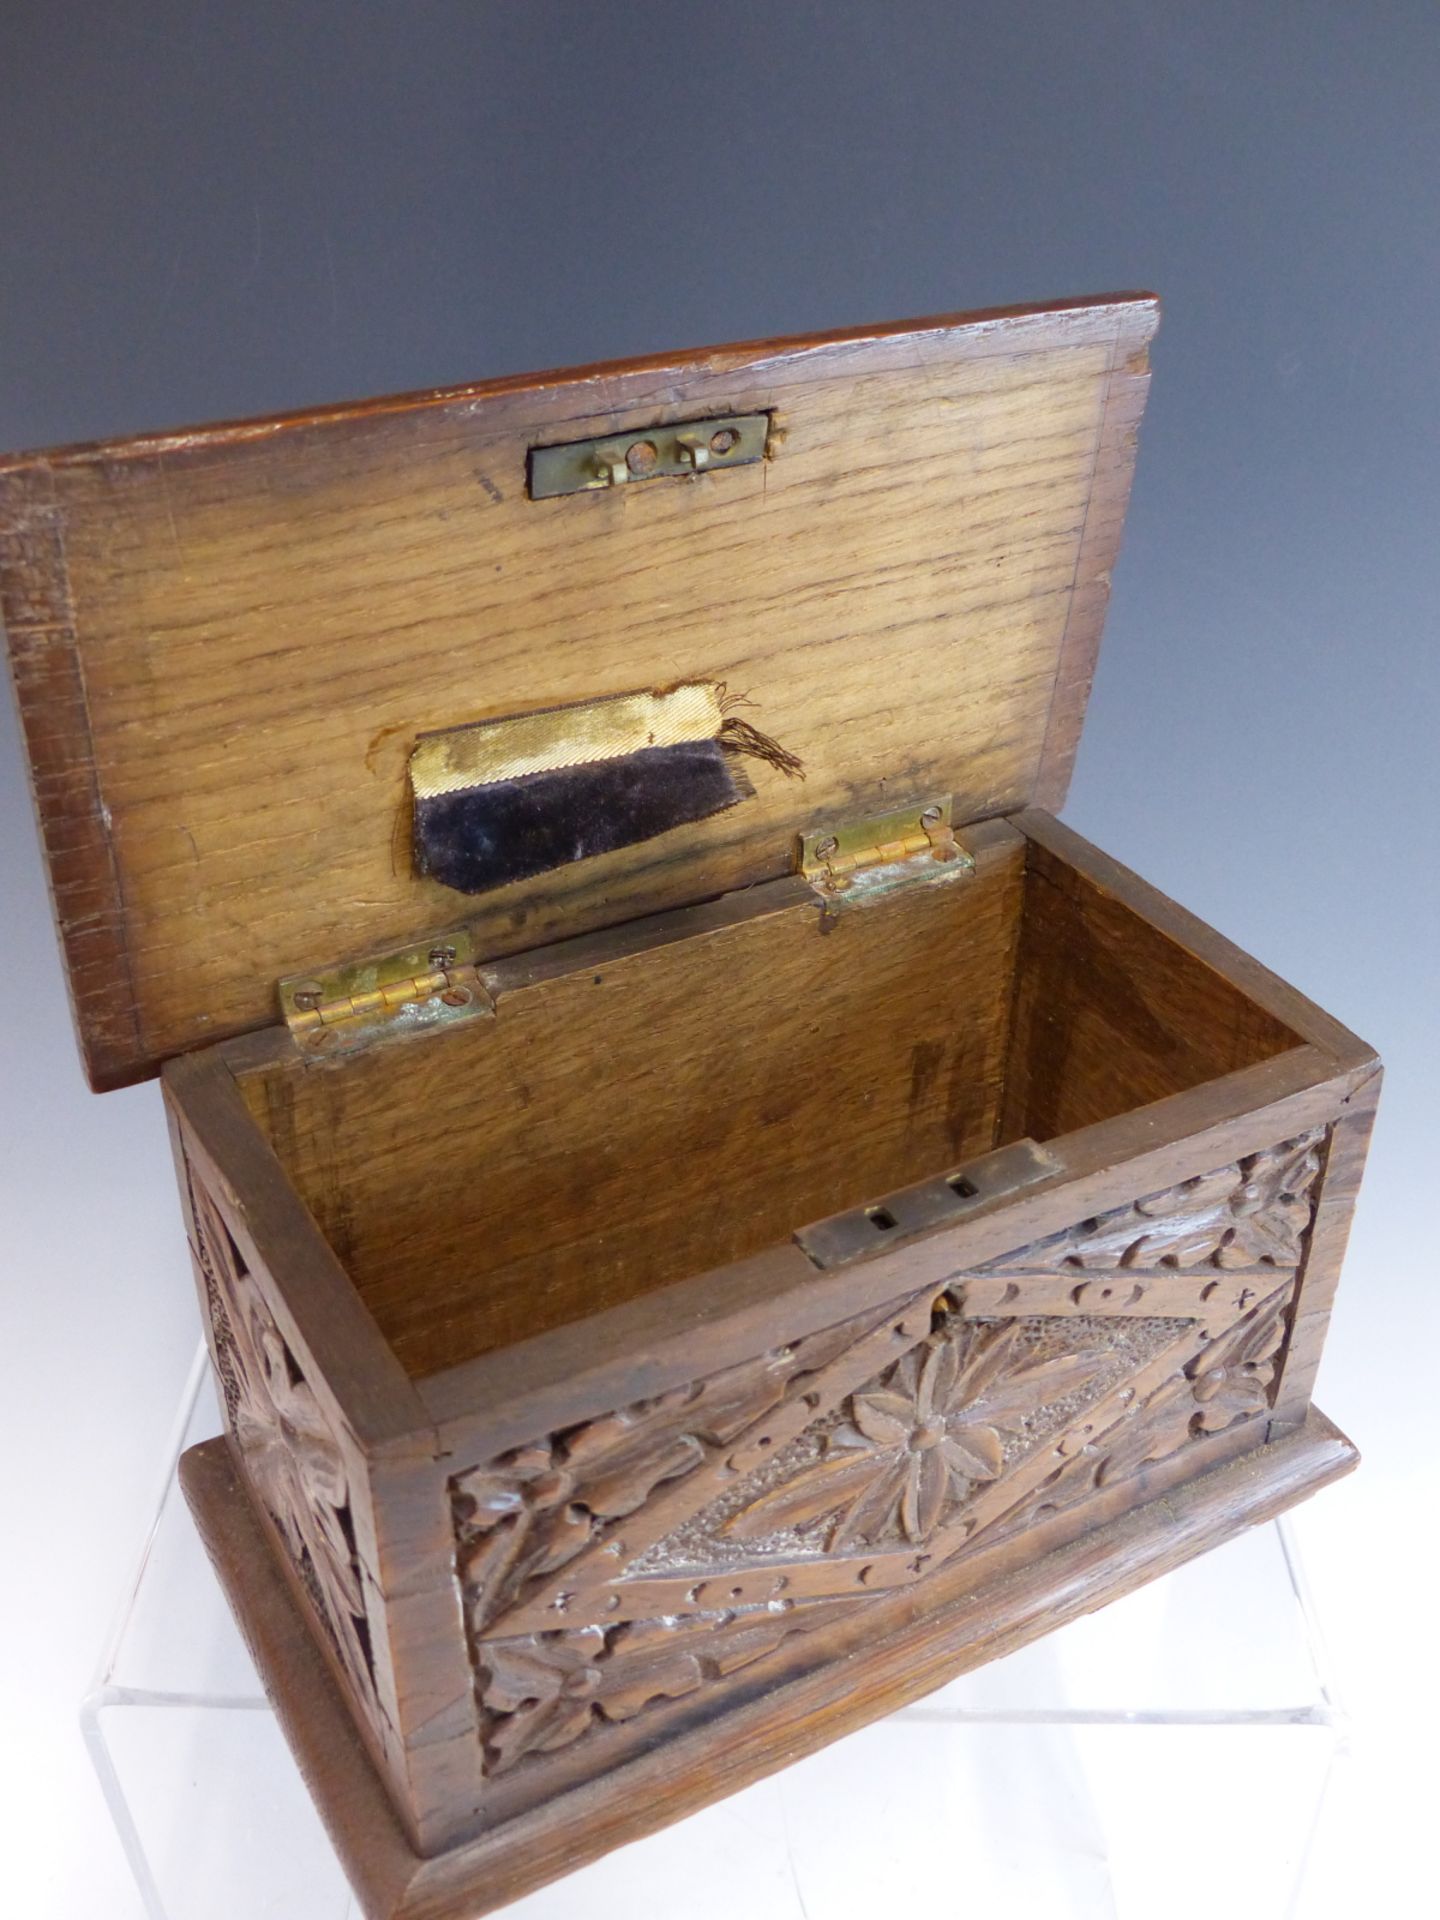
(392, 1882)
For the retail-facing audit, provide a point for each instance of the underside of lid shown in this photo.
(229, 643)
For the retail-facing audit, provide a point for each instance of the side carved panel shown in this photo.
(294, 1461)
(647, 1556)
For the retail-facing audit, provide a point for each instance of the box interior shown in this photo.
(650, 1105)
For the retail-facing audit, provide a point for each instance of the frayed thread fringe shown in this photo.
(740, 737)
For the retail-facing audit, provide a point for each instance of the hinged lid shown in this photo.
(227, 642)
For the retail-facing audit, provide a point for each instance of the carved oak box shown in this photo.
(714, 1212)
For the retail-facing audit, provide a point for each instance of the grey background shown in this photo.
(214, 210)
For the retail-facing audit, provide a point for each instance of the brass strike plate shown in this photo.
(942, 1202)
(648, 453)
(387, 997)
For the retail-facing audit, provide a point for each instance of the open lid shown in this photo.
(227, 642)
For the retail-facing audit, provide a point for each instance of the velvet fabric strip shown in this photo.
(487, 836)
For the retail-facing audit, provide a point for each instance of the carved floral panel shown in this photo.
(645, 1555)
(293, 1460)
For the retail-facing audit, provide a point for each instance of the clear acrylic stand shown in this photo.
(1170, 1757)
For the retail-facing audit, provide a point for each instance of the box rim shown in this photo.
(1306, 1084)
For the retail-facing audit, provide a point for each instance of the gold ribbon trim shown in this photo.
(544, 742)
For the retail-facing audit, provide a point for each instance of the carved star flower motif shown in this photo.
(937, 1438)
(298, 1469)
(918, 1442)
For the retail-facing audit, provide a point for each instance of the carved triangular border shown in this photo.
(545, 1529)
(923, 1458)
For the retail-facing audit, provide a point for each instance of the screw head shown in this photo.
(724, 441)
(641, 458)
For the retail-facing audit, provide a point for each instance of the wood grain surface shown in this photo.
(226, 642)
(647, 1112)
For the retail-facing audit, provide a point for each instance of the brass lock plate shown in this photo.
(648, 453)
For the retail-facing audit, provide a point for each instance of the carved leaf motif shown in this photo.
(1191, 1196)
(498, 1511)
(1151, 1431)
(1232, 1378)
(545, 1691)
(811, 1496)
(649, 1660)
(551, 1687)
(1160, 1425)
(625, 1456)
(545, 1688)
(1252, 1213)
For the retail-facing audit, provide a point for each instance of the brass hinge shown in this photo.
(409, 990)
(863, 860)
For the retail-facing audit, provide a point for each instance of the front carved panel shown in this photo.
(647, 1556)
(293, 1459)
